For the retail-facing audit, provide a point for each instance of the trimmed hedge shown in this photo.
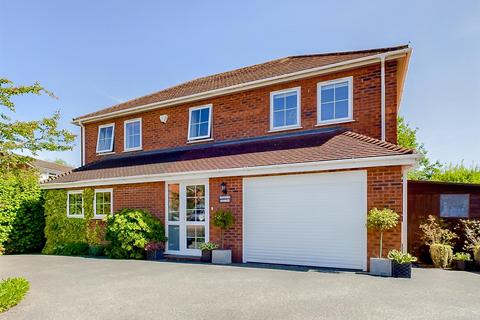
(59, 229)
(21, 212)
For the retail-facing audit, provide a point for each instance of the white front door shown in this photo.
(186, 217)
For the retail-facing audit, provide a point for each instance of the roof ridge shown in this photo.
(380, 143)
(386, 49)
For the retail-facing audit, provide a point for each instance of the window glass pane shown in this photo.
(327, 93)
(200, 191)
(195, 117)
(132, 134)
(105, 139)
(75, 203)
(341, 91)
(204, 115)
(173, 237)
(278, 119)
(454, 205)
(341, 109)
(173, 202)
(291, 117)
(327, 111)
(195, 236)
(203, 129)
(291, 101)
(278, 102)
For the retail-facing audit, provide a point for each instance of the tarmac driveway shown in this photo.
(83, 288)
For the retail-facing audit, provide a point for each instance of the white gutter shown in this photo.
(253, 84)
(399, 160)
(82, 138)
(382, 94)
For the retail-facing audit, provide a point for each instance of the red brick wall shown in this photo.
(385, 190)
(233, 237)
(247, 114)
(149, 196)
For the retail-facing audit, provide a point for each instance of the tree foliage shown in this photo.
(382, 220)
(32, 136)
(223, 219)
(458, 173)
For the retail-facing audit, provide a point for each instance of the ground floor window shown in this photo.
(103, 203)
(75, 204)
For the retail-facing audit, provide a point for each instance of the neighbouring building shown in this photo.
(299, 148)
(49, 169)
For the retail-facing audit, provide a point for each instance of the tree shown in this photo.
(223, 219)
(381, 220)
(458, 173)
(32, 136)
(407, 138)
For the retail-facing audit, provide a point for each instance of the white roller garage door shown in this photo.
(306, 219)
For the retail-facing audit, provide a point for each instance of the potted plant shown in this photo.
(207, 249)
(381, 220)
(471, 229)
(154, 250)
(460, 260)
(401, 263)
(440, 241)
(222, 219)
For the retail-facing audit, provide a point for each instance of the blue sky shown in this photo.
(93, 54)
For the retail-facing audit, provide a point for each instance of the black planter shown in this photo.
(401, 270)
(155, 255)
(206, 256)
(460, 265)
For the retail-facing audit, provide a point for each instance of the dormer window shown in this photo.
(200, 122)
(285, 109)
(133, 134)
(335, 101)
(105, 138)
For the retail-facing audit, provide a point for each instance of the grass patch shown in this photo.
(12, 291)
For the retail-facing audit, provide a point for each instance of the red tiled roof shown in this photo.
(325, 145)
(261, 71)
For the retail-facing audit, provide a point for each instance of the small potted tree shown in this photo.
(222, 219)
(460, 260)
(207, 249)
(471, 229)
(440, 241)
(401, 263)
(381, 220)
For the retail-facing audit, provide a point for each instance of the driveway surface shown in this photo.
(87, 288)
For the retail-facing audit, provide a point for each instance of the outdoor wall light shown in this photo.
(223, 187)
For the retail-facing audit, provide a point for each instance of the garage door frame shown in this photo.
(364, 209)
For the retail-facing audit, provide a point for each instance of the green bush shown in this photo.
(208, 246)
(96, 250)
(59, 229)
(381, 220)
(12, 291)
(400, 257)
(462, 256)
(441, 254)
(129, 231)
(21, 212)
(72, 249)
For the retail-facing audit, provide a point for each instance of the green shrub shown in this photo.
(382, 220)
(400, 257)
(208, 246)
(223, 219)
(21, 212)
(462, 256)
(72, 249)
(441, 254)
(59, 229)
(129, 231)
(12, 291)
(435, 232)
(96, 250)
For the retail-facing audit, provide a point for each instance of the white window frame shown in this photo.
(299, 109)
(350, 101)
(125, 134)
(101, 216)
(113, 137)
(68, 204)
(208, 136)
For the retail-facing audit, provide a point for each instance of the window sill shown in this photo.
(105, 153)
(131, 150)
(321, 124)
(285, 129)
(98, 218)
(76, 216)
(200, 140)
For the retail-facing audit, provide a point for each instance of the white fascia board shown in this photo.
(252, 84)
(345, 164)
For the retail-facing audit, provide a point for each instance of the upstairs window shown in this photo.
(285, 109)
(75, 204)
(200, 122)
(105, 138)
(133, 135)
(335, 101)
(102, 203)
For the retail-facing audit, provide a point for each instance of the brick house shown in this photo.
(299, 148)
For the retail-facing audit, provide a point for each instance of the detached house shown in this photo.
(299, 148)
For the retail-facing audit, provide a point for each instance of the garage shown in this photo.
(307, 219)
